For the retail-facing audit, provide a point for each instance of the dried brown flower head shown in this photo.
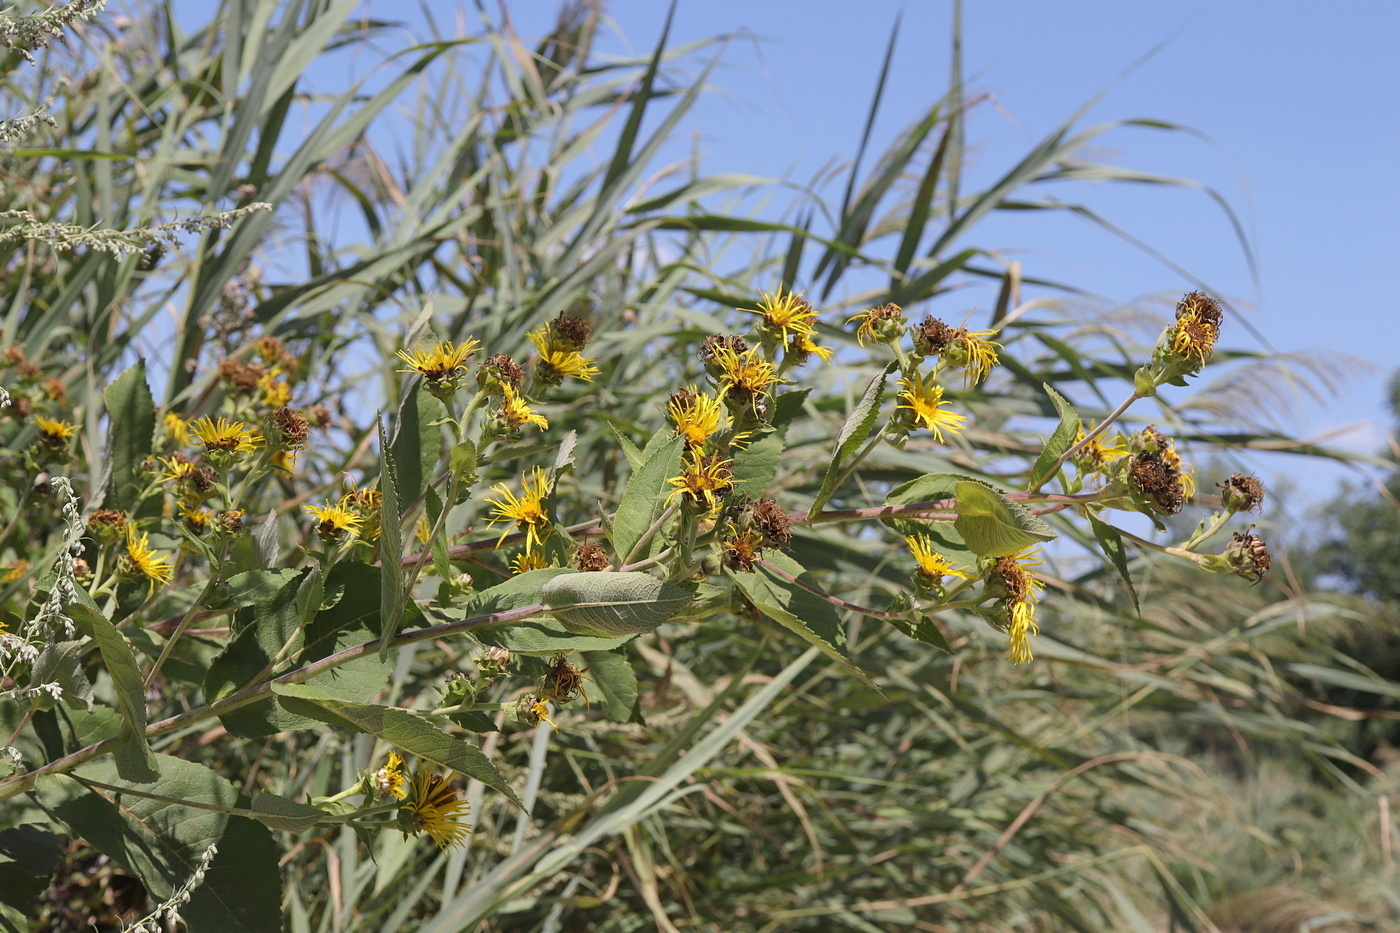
(591, 558)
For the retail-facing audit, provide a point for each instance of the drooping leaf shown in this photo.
(612, 605)
(993, 525)
(133, 757)
(131, 429)
(1112, 544)
(859, 423)
(391, 595)
(811, 618)
(399, 728)
(416, 444)
(1059, 442)
(289, 816)
(614, 678)
(644, 500)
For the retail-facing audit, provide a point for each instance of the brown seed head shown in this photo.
(291, 429)
(1158, 482)
(571, 332)
(501, 369)
(716, 342)
(562, 681)
(773, 521)
(933, 336)
(1248, 556)
(591, 558)
(1241, 493)
(13, 356)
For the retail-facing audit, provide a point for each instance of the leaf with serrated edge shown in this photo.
(644, 498)
(391, 595)
(400, 728)
(993, 525)
(1059, 442)
(133, 757)
(854, 432)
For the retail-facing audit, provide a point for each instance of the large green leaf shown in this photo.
(131, 429)
(417, 442)
(142, 829)
(399, 728)
(811, 618)
(612, 605)
(28, 856)
(932, 487)
(859, 423)
(391, 594)
(993, 525)
(756, 463)
(615, 679)
(133, 757)
(644, 499)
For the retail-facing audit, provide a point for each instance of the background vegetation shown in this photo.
(1220, 760)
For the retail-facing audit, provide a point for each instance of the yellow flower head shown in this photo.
(527, 510)
(526, 561)
(745, 374)
(389, 780)
(368, 503)
(695, 415)
(197, 519)
(802, 345)
(972, 350)
(516, 412)
(54, 433)
(445, 360)
(884, 324)
(785, 313)
(705, 478)
(141, 560)
(923, 399)
(433, 807)
(1012, 576)
(1100, 452)
(11, 572)
(335, 523)
(932, 565)
(1198, 319)
(175, 427)
(223, 436)
(275, 392)
(558, 361)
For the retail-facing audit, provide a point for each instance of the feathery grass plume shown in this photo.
(66, 237)
(26, 34)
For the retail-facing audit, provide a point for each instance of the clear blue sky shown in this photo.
(1296, 101)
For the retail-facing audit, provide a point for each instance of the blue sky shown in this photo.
(1293, 100)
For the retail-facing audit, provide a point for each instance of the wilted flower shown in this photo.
(434, 807)
(884, 324)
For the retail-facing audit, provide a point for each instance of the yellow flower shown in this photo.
(276, 394)
(1198, 319)
(442, 361)
(368, 503)
(335, 522)
(141, 560)
(540, 710)
(879, 325)
(785, 313)
(526, 561)
(932, 564)
(223, 435)
(175, 427)
(196, 519)
(1099, 452)
(1013, 576)
(54, 433)
(12, 572)
(704, 479)
(746, 374)
(515, 411)
(389, 780)
(696, 415)
(976, 354)
(802, 344)
(433, 807)
(924, 399)
(527, 511)
(557, 361)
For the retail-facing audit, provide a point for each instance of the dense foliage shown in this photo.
(549, 548)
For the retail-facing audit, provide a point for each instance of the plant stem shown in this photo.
(1088, 438)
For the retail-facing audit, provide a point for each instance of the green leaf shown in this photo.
(62, 662)
(461, 460)
(289, 816)
(162, 844)
(611, 673)
(352, 620)
(629, 450)
(131, 433)
(756, 464)
(923, 628)
(854, 433)
(417, 442)
(133, 756)
(442, 563)
(541, 636)
(610, 605)
(945, 538)
(391, 595)
(993, 525)
(1060, 441)
(644, 499)
(399, 728)
(1112, 544)
(800, 611)
(28, 856)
